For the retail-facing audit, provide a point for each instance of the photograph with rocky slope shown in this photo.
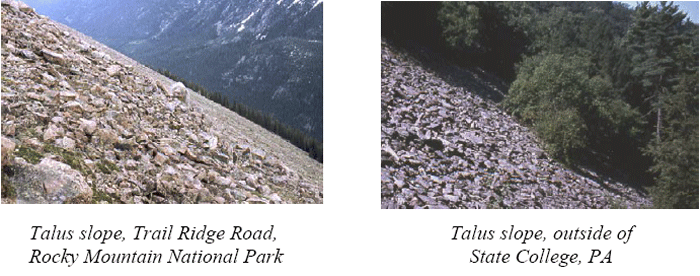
(558, 105)
(83, 123)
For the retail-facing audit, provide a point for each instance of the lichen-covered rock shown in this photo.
(49, 181)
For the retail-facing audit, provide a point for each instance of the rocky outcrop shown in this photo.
(444, 147)
(91, 126)
(178, 91)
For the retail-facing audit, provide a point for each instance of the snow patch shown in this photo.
(242, 23)
(218, 28)
(295, 2)
(317, 3)
(249, 16)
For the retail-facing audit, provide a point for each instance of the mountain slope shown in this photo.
(82, 123)
(446, 147)
(252, 51)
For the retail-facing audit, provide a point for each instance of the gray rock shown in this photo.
(259, 154)
(238, 195)
(264, 189)
(223, 181)
(160, 159)
(178, 91)
(113, 70)
(88, 126)
(251, 180)
(65, 143)
(52, 132)
(53, 56)
(68, 95)
(27, 54)
(219, 200)
(99, 55)
(8, 147)
(131, 164)
(257, 200)
(73, 106)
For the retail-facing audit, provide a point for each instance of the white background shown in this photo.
(349, 234)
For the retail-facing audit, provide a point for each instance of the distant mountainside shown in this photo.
(265, 54)
(82, 123)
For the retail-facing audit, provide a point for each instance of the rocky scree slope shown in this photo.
(444, 147)
(83, 124)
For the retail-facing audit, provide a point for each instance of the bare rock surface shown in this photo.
(445, 147)
(82, 123)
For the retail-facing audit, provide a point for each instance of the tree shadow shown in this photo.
(472, 78)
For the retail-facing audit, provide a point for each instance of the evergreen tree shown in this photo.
(664, 59)
(652, 39)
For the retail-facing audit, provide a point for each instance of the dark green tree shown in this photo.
(652, 39)
(664, 77)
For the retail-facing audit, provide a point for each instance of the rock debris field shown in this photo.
(443, 147)
(82, 123)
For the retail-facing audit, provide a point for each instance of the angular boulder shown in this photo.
(8, 146)
(178, 91)
(50, 181)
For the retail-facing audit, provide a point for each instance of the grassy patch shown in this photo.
(256, 193)
(106, 166)
(29, 154)
(73, 159)
(8, 191)
(6, 81)
(99, 196)
(80, 199)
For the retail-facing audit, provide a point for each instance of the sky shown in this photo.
(689, 7)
